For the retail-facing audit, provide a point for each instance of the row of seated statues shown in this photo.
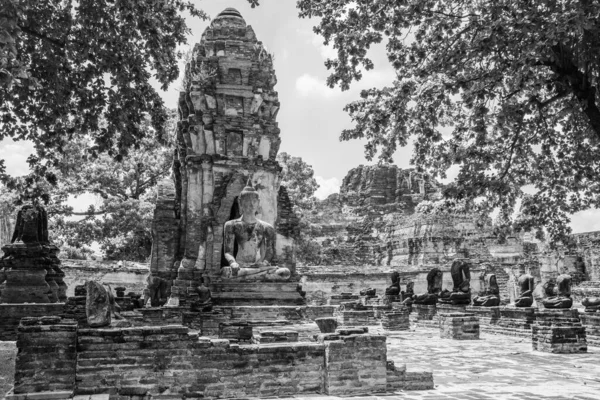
(554, 294)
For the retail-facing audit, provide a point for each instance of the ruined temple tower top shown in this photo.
(230, 15)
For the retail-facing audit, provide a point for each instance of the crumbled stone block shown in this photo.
(327, 325)
(459, 326)
(235, 330)
(275, 337)
(353, 317)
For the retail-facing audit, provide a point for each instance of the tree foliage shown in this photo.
(67, 65)
(121, 220)
(298, 178)
(506, 91)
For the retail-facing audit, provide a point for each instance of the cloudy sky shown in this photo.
(311, 116)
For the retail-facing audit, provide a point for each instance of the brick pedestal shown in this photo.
(337, 299)
(397, 320)
(591, 323)
(47, 357)
(514, 321)
(558, 331)
(459, 326)
(424, 316)
(356, 318)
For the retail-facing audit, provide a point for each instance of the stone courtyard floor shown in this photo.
(494, 367)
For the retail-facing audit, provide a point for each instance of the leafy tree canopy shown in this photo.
(67, 65)
(507, 91)
(298, 178)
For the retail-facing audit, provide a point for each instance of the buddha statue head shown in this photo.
(249, 201)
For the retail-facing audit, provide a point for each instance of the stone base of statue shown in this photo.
(26, 267)
(459, 326)
(236, 293)
(514, 321)
(396, 320)
(591, 323)
(424, 315)
(558, 331)
(488, 316)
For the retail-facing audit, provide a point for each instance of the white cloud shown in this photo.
(15, 156)
(326, 51)
(308, 85)
(327, 187)
(586, 221)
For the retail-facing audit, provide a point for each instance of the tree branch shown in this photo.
(42, 36)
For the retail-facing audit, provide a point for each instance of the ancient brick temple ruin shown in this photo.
(226, 313)
(227, 136)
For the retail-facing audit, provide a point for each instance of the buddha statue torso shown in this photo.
(254, 241)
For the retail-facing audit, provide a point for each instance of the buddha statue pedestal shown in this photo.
(227, 293)
(337, 299)
(459, 326)
(515, 321)
(488, 316)
(424, 315)
(558, 331)
(591, 323)
(396, 320)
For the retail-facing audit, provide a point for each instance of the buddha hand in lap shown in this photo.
(255, 240)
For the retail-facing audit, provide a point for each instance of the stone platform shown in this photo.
(396, 320)
(459, 326)
(558, 331)
(256, 293)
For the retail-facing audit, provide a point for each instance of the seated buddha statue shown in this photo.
(591, 304)
(461, 287)
(525, 285)
(254, 241)
(490, 295)
(559, 294)
(434, 287)
(410, 290)
(394, 290)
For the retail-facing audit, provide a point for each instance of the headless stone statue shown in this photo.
(100, 305)
(434, 287)
(559, 294)
(526, 285)
(591, 304)
(255, 240)
(156, 291)
(204, 302)
(394, 290)
(410, 290)
(490, 296)
(461, 289)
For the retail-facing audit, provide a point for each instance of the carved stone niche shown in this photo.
(235, 143)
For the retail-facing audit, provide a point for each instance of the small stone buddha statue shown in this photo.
(434, 287)
(461, 290)
(394, 289)
(255, 243)
(526, 285)
(204, 302)
(559, 294)
(490, 296)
